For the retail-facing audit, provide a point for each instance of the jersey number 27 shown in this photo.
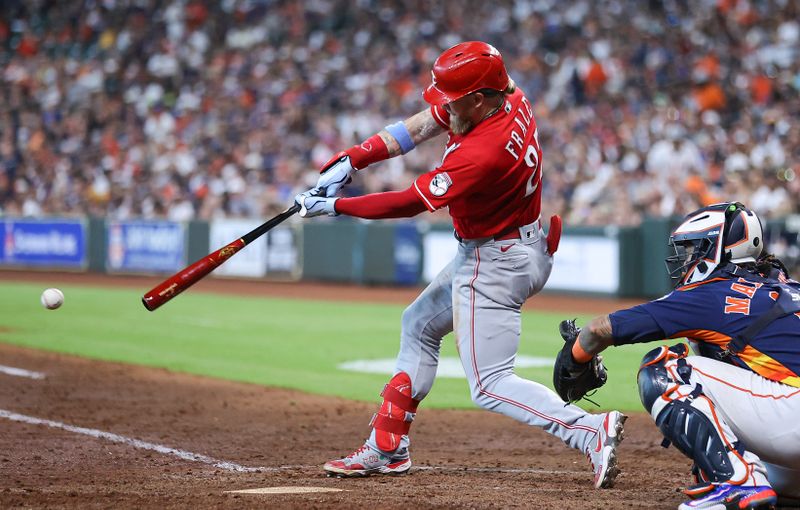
(532, 160)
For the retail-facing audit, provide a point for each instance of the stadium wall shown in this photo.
(605, 261)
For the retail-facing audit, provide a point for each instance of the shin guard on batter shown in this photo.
(689, 420)
(397, 411)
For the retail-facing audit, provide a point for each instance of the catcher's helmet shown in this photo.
(713, 235)
(463, 69)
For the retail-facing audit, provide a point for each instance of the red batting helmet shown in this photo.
(463, 69)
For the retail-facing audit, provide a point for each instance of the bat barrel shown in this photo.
(188, 276)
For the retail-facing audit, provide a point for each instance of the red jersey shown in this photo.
(490, 178)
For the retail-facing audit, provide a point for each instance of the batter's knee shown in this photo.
(411, 319)
(483, 397)
(421, 322)
(484, 401)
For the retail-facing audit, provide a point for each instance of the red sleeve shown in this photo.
(441, 116)
(457, 177)
(390, 204)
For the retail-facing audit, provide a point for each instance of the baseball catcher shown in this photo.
(733, 406)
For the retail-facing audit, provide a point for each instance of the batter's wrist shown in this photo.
(400, 133)
(370, 151)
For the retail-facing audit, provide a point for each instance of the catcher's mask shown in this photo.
(711, 236)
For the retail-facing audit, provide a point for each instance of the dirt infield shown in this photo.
(57, 449)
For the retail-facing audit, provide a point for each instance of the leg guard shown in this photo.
(689, 420)
(693, 425)
(653, 378)
(690, 430)
(397, 411)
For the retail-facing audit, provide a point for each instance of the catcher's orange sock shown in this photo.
(394, 418)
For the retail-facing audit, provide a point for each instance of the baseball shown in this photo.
(52, 298)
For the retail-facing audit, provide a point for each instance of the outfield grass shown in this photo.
(268, 341)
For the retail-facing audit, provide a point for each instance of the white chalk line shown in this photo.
(456, 469)
(465, 469)
(21, 372)
(232, 466)
(136, 443)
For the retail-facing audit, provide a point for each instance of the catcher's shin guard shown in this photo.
(688, 419)
(397, 411)
(694, 434)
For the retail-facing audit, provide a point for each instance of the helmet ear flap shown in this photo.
(743, 235)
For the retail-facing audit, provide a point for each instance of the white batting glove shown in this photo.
(312, 204)
(337, 173)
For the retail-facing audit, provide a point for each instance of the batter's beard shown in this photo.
(459, 126)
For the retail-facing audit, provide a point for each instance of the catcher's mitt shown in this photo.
(573, 380)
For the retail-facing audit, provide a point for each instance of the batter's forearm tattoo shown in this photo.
(595, 337)
(392, 145)
(421, 127)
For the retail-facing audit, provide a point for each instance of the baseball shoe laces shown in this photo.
(602, 453)
(366, 461)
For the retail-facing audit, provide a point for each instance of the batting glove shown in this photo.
(335, 174)
(312, 204)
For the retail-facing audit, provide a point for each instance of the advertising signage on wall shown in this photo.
(275, 252)
(146, 246)
(282, 256)
(43, 243)
(251, 261)
(586, 264)
(407, 254)
(582, 263)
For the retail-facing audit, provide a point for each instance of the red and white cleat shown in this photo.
(602, 453)
(368, 461)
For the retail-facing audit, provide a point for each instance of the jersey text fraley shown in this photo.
(522, 119)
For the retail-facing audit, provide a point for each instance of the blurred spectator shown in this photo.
(198, 109)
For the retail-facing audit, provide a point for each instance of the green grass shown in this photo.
(274, 342)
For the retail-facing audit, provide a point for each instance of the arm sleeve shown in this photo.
(633, 326)
(456, 178)
(391, 204)
(670, 316)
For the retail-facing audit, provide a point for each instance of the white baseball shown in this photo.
(52, 298)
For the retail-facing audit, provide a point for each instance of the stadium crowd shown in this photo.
(200, 109)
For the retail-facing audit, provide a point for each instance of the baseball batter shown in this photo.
(490, 179)
(734, 407)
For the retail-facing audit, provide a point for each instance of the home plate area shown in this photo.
(285, 490)
(166, 440)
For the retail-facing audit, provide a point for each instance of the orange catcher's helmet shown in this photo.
(463, 69)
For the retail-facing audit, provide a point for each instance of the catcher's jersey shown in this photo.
(490, 178)
(714, 311)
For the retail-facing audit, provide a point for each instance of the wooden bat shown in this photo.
(193, 273)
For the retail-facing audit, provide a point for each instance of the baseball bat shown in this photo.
(193, 273)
